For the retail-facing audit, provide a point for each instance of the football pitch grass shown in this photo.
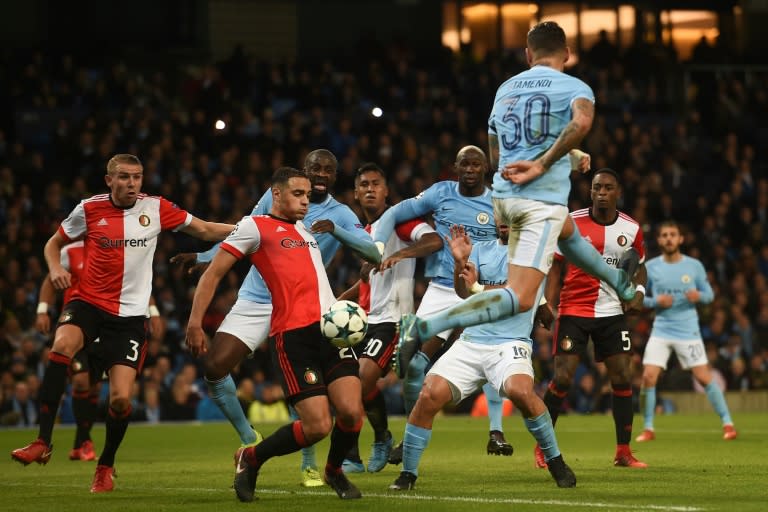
(189, 467)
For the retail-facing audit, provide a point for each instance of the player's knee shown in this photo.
(214, 369)
(621, 378)
(429, 402)
(120, 405)
(317, 430)
(562, 381)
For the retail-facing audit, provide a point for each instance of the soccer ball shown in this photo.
(344, 324)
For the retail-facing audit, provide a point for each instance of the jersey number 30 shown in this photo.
(525, 127)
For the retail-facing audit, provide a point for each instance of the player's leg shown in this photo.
(345, 394)
(655, 357)
(82, 409)
(68, 340)
(516, 376)
(243, 330)
(619, 368)
(703, 374)
(584, 255)
(497, 444)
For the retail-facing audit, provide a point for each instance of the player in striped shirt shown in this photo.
(120, 230)
(590, 308)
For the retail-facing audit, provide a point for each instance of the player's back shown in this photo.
(529, 112)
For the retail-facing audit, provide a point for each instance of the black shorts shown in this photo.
(308, 362)
(121, 339)
(89, 360)
(379, 344)
(610, 336)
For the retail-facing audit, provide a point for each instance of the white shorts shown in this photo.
(534, 228)
(467, 366)
(249, 322)
(689, 353)
(437, 299)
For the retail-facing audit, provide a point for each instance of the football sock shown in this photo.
(307, 452)
(84, 416)
(495, 405)
(716, 398)
(414, 378)
(376, 410)
(224, 393)
(584, 255)
(648, 398)
(415, 441)
(622, 413)
(542, 430)
(342, 440)
(287, 439)
(117, 424)
(484, 307)
(553, 399)
(54, 382)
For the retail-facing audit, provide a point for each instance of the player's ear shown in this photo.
(567, 54)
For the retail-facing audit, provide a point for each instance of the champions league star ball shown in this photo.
(344, 323)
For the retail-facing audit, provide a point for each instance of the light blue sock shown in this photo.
(482, 308)
(413, 380)
(308, 453)
(495, 406)
(541, 428)
(224, 393)
(415, 441)
(717, 399)
(584, 255)
(649, 407)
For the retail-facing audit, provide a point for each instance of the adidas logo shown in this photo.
(102, 222)
(280, 228)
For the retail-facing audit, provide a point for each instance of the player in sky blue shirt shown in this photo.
(247, 324)
(676, 284)
(498, 352)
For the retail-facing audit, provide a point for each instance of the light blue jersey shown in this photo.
(490, 259)
(253, 288)
(448, 207)
(529, 112)
(681, 321)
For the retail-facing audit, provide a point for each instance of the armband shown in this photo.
(153, 311)
(640, 288)
(476, 288)
(42, 308)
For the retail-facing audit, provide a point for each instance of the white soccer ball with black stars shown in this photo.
(344, 324)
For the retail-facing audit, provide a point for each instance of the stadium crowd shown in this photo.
(688, 146)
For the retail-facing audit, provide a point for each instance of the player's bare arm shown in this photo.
(59, 276)
(208, 231)
(426, 245)
(47, 296)
(188, 262)
(493, 151)
(351, 293)
(206, 287)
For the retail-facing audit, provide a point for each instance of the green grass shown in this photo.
(189, 468)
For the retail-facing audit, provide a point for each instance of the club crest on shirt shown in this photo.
(686, 278)
(483, 218)
(65, 317)
(566, 343)
(144, 220)
(76, 365)
(310, 377)
(622, 240)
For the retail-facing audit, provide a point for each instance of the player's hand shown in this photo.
(469, 274)
(43, 323)
(544, 316)
(459, 243)
(322, 226)
(635, 304)
(155, 325)
(60, 278)
(693, 295)
(389, 262)
(664, 301)
(365, 271)
(580, 161)
(523, 171)
(196, 341)
(188, 261)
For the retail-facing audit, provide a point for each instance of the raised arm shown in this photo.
(411, 208)
(209, 231)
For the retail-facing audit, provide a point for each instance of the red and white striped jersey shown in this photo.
(119, 246)
(288, 258)
(72, 259)
(389, 294)
(584, 295)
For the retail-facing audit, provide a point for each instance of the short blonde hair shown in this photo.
(122, 158)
